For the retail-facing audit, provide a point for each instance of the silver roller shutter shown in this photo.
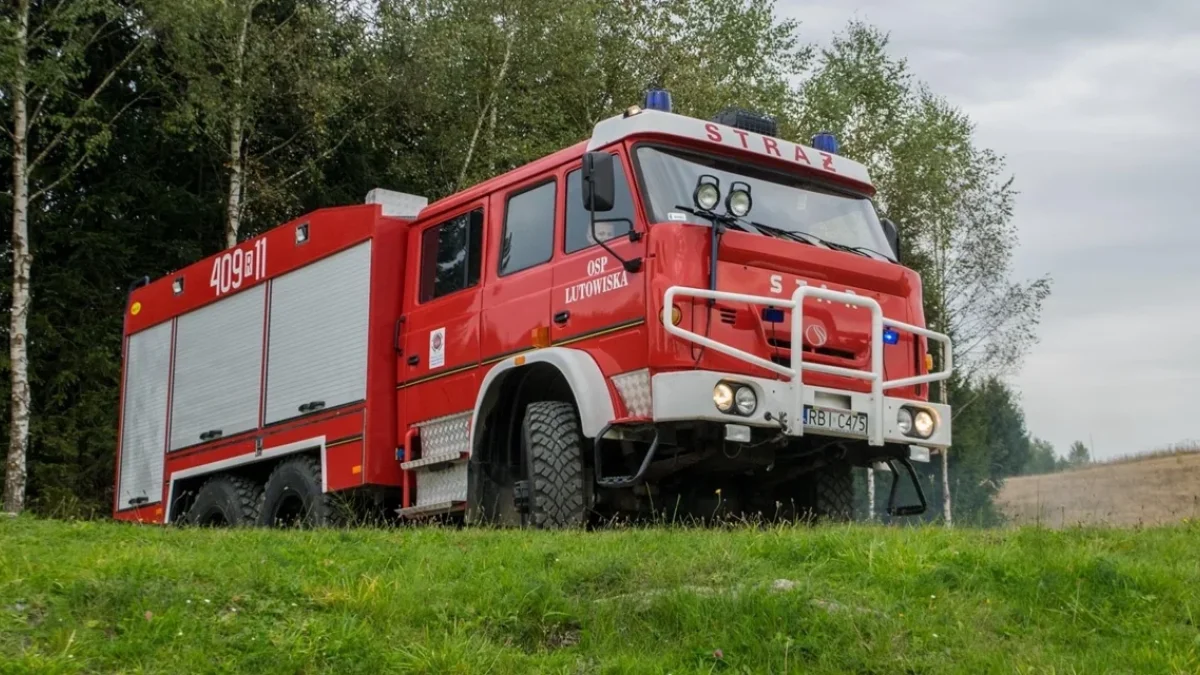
(318, 336)
(218, 368)
(144, 415)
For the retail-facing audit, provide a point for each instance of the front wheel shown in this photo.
(833, 493)
(553, 464)
(825, 494)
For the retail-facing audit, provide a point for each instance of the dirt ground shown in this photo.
(1148, 491)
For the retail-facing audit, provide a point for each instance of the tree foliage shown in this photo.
(1042, 458)
(951, 198)
(1078, 455)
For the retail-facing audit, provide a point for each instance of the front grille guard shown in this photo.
(794, 425)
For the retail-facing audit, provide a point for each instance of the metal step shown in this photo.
(434, 460)
(426, 510)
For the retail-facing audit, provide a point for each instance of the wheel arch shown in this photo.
(578, 370)
(555, 373)
(184, 481)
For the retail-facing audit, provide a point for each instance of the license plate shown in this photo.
(835, 420)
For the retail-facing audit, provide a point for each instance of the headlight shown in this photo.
(738, 202)
(706, 196)
(745, 400)
(904, 420)
(923, 422)
(723, 397)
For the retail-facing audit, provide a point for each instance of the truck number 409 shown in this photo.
(240, 266)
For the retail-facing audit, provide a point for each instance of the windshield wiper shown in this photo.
(813, 239)
(802, 237)
(715, 217)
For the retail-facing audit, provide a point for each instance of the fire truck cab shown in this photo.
(676, 315)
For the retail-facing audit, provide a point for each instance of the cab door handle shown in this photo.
(414, 360)
(562, 317)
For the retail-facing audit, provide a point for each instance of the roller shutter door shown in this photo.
(218, 369)
(144, 416)
(318, 335)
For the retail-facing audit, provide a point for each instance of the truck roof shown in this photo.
(671, 125)
(655, 123)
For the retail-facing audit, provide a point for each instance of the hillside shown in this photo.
(1137, 491)
(102, 597)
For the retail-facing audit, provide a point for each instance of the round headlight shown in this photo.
(923, 422)
(723, 397)
(707, 196)
(904, 420)
(745, 400)
(738, 203)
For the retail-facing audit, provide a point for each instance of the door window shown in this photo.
(450, 255)
(528, 229)
(609, 224)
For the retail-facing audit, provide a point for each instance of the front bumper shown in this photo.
(688, 396)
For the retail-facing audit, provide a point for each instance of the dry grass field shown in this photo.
(1151, 490)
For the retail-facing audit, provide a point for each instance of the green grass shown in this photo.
(106, 597)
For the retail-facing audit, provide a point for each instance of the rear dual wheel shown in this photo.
(292, 496)
(225, 501)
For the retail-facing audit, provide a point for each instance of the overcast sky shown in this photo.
(1096, 107)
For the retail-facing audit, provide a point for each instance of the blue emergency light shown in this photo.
(772, 315)
(890, 336)
(825, 142)
(658, 99)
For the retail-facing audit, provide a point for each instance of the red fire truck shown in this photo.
(676, 315)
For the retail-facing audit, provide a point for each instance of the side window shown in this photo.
(451, 255)
(609, 224)
(528, 229)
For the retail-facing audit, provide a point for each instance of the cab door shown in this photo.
(516, 300)
(440, 356)
(594, 296)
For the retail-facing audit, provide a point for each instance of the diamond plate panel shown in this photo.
(447, 485)
(634, 389)
(446, 435)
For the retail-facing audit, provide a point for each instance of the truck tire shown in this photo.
(833, 493)
(553, 449)
(293, 496)
(225, 500)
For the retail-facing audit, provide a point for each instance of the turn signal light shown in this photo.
(676, 315)
(540, 336)
(928, 362)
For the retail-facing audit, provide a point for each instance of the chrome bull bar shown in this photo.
(794, 424)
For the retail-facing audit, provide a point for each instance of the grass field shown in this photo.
(1151, 489)
(104, 597)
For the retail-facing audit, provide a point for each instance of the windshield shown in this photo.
(779, 200)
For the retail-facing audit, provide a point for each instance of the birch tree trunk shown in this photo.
(18, 443)
(945, 453)
(870, 493)
(489, 107)
(233, 209)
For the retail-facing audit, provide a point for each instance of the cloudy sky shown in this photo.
(1096, 107)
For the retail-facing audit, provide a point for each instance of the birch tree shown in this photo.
(54, 130)
(949, 197)
(262, 84)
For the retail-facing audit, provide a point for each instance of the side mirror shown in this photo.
(893, 236)
(599, 184)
